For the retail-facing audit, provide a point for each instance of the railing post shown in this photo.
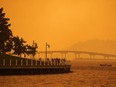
(3, 62)
(10, 62)
(26, 62)
(16, 62)
(21, 62)
(31, 62)
(36, 62)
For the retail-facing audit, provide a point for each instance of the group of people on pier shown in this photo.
(54, 61)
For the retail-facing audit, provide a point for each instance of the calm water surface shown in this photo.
(85, 74)
(79, 78)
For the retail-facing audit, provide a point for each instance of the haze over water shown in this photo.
(61, 23)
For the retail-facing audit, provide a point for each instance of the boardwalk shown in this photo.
(16, 65)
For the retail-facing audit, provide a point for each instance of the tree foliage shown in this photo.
(9, 42)
(31, 49)
(18, 45)
(5, 33)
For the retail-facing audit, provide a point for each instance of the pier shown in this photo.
(10, 65)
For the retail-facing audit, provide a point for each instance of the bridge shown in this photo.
(76, 53)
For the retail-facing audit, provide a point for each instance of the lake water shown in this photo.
(80, 77)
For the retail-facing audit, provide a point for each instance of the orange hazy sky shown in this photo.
(61, 23)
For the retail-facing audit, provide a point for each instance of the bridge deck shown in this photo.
(79, 52)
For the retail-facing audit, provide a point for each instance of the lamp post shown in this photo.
(46, 50)
(47, 46)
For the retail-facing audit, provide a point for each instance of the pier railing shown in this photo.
(23, 62)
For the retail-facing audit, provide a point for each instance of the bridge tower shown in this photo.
(77, 56)
(92, 56)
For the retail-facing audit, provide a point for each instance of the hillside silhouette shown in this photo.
(95, 45)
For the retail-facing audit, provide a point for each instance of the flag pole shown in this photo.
(46, 51)
(47, 45)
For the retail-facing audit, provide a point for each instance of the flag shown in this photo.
(47, 45)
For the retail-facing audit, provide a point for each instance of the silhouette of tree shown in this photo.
(5, 33)
(34, 48)
(9, 42)
(19, 46)
(31, 49)
(9, 45)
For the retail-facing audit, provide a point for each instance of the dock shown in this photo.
(10, 65)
